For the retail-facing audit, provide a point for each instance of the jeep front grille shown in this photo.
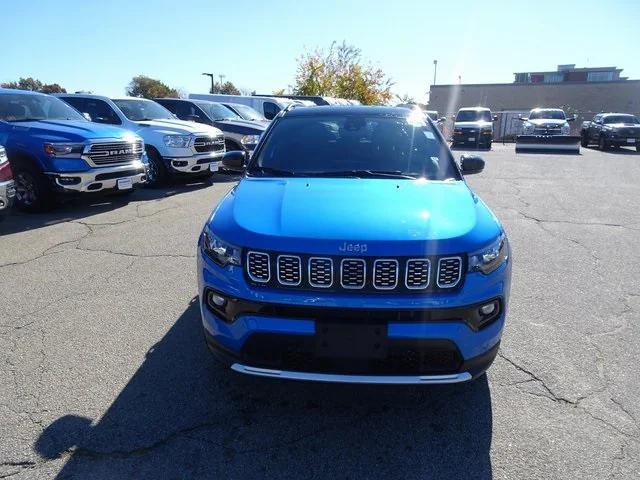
(209, 144)
(289, 270)
(336, 273)
(449, 271)
(259, 267)
(320, 272)
(417, 273)
(108, 153)
(385, 274)
(353, 273)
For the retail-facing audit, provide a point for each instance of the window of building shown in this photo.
(600, 77)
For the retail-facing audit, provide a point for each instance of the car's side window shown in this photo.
(79, 104)
(270, 110)
(101, 112)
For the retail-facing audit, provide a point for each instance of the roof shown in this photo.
(346, 110)
(476, 109)
(23, 92)
(574, 69)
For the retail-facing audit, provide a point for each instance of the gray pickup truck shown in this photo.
(611, 130)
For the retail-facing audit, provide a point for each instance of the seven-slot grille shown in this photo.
(258, 267)
(363, 273)
(208, 144)
(114, 152)
(385, 274)
(449, 271)
(289, 270)
(320, 272)
(417, 273)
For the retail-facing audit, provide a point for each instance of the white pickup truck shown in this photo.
(173, 147)
(547, 129)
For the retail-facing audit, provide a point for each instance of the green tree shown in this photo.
(406, 99)
(278, 91)
(226, 88)
(146, 87)
(34, 85)
(341, 72)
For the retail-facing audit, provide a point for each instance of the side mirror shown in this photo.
(193, 118)
(521, 118)
(495, 117)
(441, 120)
(571, 119)
(234, 160)
(471, 164)
(87, 116)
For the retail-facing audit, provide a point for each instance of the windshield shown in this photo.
(139, 110)
(473, 116)
(620, 119)
(248, 113)
(348, 145)
(217, 111)
(547, 115)
(21, 107)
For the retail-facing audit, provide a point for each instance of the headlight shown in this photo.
(250, 139)
(221, 252)
(63, 149)
(177, 141)
(528, 127)
(491, 257)
(565, 129)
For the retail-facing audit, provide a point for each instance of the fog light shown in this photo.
(68, 180)
(216, 300)
(488, 309)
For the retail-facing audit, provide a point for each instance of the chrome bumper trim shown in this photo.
(88, 177)
(330, 377)
(7, 194)
(212, 157)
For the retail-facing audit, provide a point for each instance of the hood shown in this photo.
(243, 127)
(68, 130)
(547, 121)
(318, 215)
(478, 124)
(623, 125)
(179, 127)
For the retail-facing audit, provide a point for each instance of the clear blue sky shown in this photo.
(100, 45)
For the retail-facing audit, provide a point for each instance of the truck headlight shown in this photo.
(177, 141)
(491, 257)
(63, 149)
(565, 129)
(220, 251)
(250, 139)
(528, 127)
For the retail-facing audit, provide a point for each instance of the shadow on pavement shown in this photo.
(183, 416)
(83, 206)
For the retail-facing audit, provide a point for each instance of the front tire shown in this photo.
(33, 192)
(637, 146)
(156, 171)
(584, 140)
(602, 144)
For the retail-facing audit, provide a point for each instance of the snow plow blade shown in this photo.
(553, 143)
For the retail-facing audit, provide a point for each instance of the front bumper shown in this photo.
(622, 141)
(7, 194)
(279, 338)
(476, 137)
(194, 164)
(98, 179)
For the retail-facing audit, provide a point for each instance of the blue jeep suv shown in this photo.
(352, 250)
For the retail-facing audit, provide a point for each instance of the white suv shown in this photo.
(173, 146)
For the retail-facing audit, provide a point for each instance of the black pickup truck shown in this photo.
(611, 129)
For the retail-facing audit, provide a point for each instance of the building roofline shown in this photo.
(513, 84)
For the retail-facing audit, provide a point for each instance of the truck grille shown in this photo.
(114, 152)
(289, 270)
(449, 271)
(209, 144)
(364, 273)
(551, 130)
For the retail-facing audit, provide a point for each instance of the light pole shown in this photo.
(435, 69)
(210, 75)
(221, 78)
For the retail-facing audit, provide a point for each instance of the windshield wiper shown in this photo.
(362, 174)
(28, 120)
(272, 171)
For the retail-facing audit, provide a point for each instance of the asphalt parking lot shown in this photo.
(104, 372)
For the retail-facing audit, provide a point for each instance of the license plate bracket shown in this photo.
(124, 183)
(631, 140)
(471, 139)
(213, 167)
(351, 340)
